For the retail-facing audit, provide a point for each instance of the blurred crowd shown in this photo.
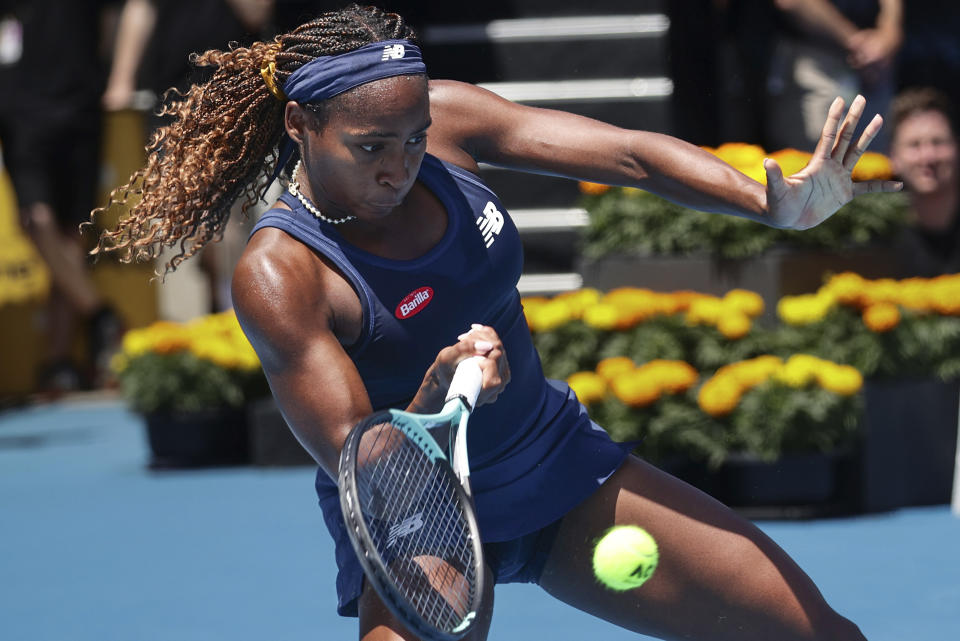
(759, 71)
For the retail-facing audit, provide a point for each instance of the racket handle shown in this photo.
(467, 381)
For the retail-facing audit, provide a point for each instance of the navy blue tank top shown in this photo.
(414, 308)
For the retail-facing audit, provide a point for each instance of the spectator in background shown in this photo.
(154, 43)
(50, 124)
(924, 155)
(827, 48)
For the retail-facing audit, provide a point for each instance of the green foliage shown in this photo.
(628, 221)
(182, 382)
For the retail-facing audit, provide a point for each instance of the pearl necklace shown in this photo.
(294, 188)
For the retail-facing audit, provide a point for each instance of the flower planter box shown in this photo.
(271, 441)
(777, 273)
(793, 486)
(203, 438)
(910, 443)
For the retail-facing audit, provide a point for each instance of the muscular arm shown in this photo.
(286, 303)
(500, 132)
(474, 125)
(297, 311)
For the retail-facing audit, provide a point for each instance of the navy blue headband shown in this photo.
(329, 76)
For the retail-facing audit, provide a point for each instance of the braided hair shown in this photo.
(222, 143)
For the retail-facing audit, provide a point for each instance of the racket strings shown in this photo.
(418, 525)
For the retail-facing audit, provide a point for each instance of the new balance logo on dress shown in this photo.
(405, 527)
(490, 223)
(393, 52)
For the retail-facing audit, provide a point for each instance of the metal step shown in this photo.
(548, 284)
(560, 219)
(580, 47)
(549, 29)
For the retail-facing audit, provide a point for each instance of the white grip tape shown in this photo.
(467, 381)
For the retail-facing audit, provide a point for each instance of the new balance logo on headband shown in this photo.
(393, 52)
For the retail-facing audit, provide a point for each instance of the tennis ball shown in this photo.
(625, 557)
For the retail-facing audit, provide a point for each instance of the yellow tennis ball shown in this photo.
(625, 557)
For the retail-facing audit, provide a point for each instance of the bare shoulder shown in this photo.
(283, 294)
(463, 115)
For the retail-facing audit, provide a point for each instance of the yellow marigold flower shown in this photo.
(945, 295)
(873, 166)
(673, 377)
(848, 288)
(719, 396)
(550, 316)
(741, 155)
(530, 305)
(883, 290)
(800, 370)
(915, 294)
(602, 316)
(593, 189)
(169, 338)
(881, 317)
(611, 368)
(705, 311)
(840, 379)
(636, 389)
(791, 160)
(588, 386)
(751, 373)
(734, 325)
(578, 300)
(744, 300)
(137, 342)
(804, 309)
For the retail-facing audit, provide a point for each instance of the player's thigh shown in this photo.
(719, 576)
(377, 623)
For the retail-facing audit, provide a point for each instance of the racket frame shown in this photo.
(416, 427)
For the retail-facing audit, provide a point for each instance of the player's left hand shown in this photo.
(812, 195)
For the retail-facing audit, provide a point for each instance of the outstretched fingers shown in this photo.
(876, 186)
(863, 143)
(829, 134)
(845, 134)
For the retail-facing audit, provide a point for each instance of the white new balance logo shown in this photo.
(490, 223)
(405, 527)
(394, 52)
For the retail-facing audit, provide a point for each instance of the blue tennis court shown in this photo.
(93, 545)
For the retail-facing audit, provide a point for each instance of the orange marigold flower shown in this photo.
(873, 166)
(791, 160)
(881, 317)
(673, 377)
(593, 189)
(636, 389)
(719, 396)
(611, 368)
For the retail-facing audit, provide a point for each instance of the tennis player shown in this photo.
(389, 260)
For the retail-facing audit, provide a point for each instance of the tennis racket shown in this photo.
(410, 515)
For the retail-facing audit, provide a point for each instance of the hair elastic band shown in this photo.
(268, 71)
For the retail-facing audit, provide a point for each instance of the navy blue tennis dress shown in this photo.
(534, 454)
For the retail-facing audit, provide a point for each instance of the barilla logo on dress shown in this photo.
(414, 302)
(393, 52)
